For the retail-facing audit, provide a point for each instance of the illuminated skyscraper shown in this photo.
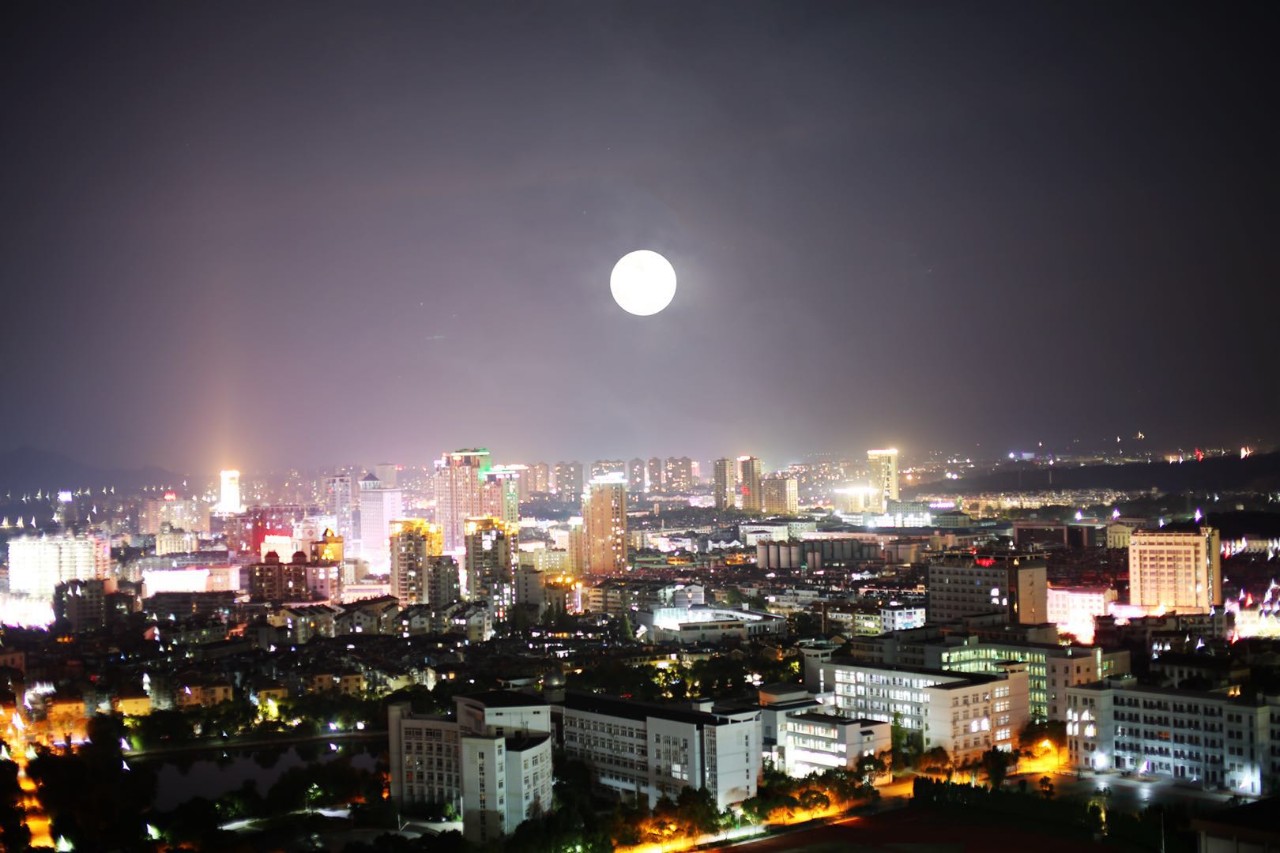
(604, 517)
(37, 564)
(459, 487)
(636, 477)
(568, 481)
(750, 472)
(229, 493)
(378, 508)
(490, 562)
(655, 473)
(679, 474)
(884, 473)
(604, 467)
(781, 495)
(339, 503)
(414, 545)
(540, 478)
(500, 493)
(726, 483)
(1175, 568)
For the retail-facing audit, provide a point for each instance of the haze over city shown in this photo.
(527, 427)
(297, 234)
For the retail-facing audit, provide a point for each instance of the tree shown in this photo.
(996, 763)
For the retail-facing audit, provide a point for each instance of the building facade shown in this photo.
(1176, 570)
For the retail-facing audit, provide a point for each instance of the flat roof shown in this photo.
(504, 699)
(595, 703)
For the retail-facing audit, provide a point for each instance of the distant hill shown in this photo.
(27, 470)
(1258, 473)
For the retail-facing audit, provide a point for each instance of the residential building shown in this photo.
(415, 544)
(1175, 568)
(604, 516)
(962, 584)
(725, 486)
(750, 474)
(459, 490)
(781, 495)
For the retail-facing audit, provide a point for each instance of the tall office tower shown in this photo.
(726, 483)
(37, 564)
(781, 495)
(444, 585)
(490, 562)
(655, 474)
(388, 473)
(884, 473)
(229, 493)
(414, 544)
(750, 472)
(378, 508)
(500, 493)
(540, 478)
(605, 467)
(459, 488)
(1177, 567)
(339, 504)
(636, 477)
(604, 518)
(679, 474)
(568, 484)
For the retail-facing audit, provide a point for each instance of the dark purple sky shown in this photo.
(271, 233)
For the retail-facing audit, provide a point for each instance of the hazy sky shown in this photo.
(271, 234)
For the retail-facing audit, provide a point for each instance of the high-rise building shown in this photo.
(414, 544)
(781, 495)
(339, 504)
(492, 545)
(963, 584)
(500, 493)
(379, 506)
(1175, 568)
(636, 477)
(726, 483)
(750, 472)
(388, 473)
(884, 473)
(568, 481)
(37, 564)
(679, 474)
(180, 514)
(655, 473)
(459, 488)
(539, 478)
(444, 582)
(604, 517)
(605, 467)
(229, 493)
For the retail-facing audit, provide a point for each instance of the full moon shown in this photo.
(643, 282)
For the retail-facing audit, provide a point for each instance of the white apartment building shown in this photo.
(37, 564)
(1211, 738)
(646, 751)
(965, 714)
(492, 763)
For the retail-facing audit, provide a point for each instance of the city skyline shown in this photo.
(246, 236)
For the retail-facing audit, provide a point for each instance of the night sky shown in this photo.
(273, 234)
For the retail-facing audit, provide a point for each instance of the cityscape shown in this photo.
(639, 426)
